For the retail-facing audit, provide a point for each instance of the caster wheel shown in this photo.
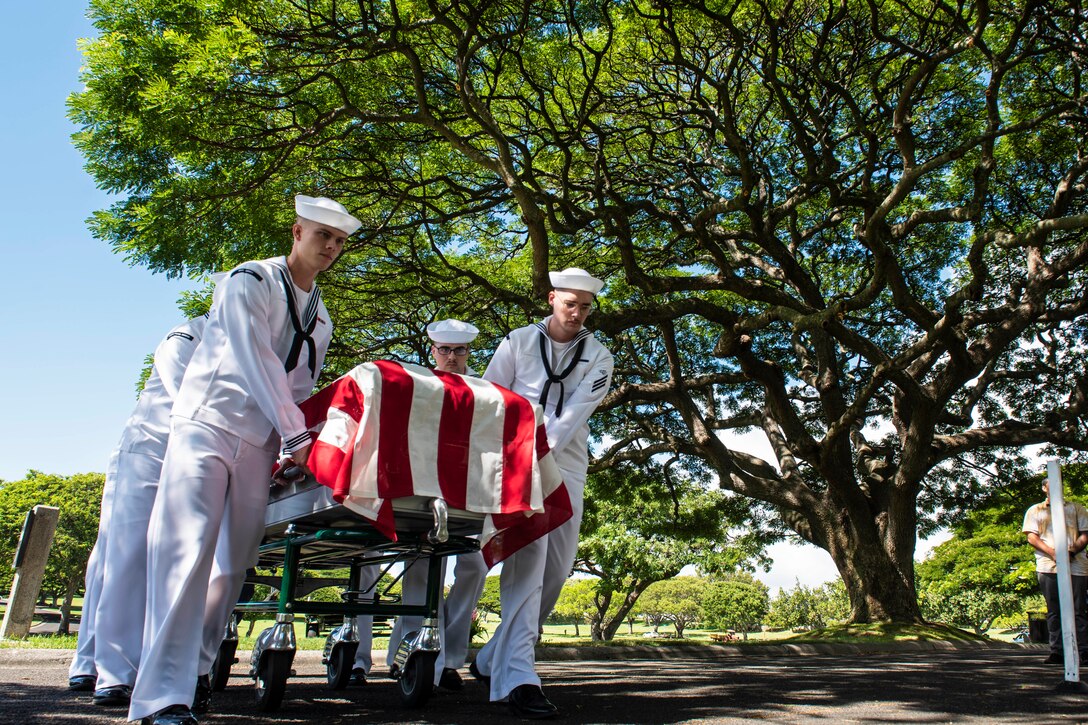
(338, 668)
(272, 674)
(417, 680)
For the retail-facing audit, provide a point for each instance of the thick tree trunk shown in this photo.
(879, 582)
(879, 594)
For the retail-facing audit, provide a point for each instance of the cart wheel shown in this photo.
(417, 680)
(224, 660)
(338, 668)
(272, 674)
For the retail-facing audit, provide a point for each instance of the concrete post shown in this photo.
(30, 560)
(1061, 558)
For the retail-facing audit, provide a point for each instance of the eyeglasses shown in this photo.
(459, 351)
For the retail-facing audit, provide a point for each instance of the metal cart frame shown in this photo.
(306, 529)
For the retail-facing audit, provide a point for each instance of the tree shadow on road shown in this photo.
(979, 685)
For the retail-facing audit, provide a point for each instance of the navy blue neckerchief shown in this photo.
(545, 358)
(303, 326)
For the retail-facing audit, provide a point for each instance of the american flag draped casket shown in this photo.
(386, 430)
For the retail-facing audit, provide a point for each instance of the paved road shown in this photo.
(975, 685)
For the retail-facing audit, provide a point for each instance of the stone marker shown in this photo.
(29, 565)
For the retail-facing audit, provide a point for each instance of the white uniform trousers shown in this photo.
(212, 481)
(86, 640)
(224, 587)
(469, 575)
(364, 623)
(120, 613)
(529, 587)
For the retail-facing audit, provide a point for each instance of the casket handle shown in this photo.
(440, 533)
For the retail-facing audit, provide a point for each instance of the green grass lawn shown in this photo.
(568, 635)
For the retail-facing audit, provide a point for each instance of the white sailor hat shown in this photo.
(451, 332)
(323, 210)
(576, 279)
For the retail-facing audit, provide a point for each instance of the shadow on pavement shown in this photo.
(1007, 685)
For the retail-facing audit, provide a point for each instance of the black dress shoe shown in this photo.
(358, 677)
(82, 683)
(1055, 658)
(475, 672)
(450, 679)
(528, 701)
(173, 715)
(113, 696)
(202, 696)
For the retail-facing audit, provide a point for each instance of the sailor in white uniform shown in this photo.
(560, 365)
(263, 348)
(82, 675)
(138, 460)
(451, 344)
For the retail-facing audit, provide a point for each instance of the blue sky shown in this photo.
(83, 320)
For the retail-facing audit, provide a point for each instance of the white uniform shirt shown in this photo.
(261, 354)
(1037, 521)
(148, 428)
(568, 402)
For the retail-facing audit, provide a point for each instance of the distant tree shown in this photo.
(643, 525)
(489, 600)
(975, 608)
(576, 603)
(833, 603)
(653, 616)
(968, 581)
(630, 619)
(809, 607)
(78, 497)
(737, 602)
(677, 600)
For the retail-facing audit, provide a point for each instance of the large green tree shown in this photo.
(855, 227)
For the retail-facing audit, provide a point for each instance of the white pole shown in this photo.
(1061, 558)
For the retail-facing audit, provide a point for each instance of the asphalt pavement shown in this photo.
(798, 684)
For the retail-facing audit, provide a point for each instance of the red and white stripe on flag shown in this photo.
(386, 430)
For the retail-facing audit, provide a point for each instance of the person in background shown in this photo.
(451, 345)
(1039, 529)
(119, 615)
